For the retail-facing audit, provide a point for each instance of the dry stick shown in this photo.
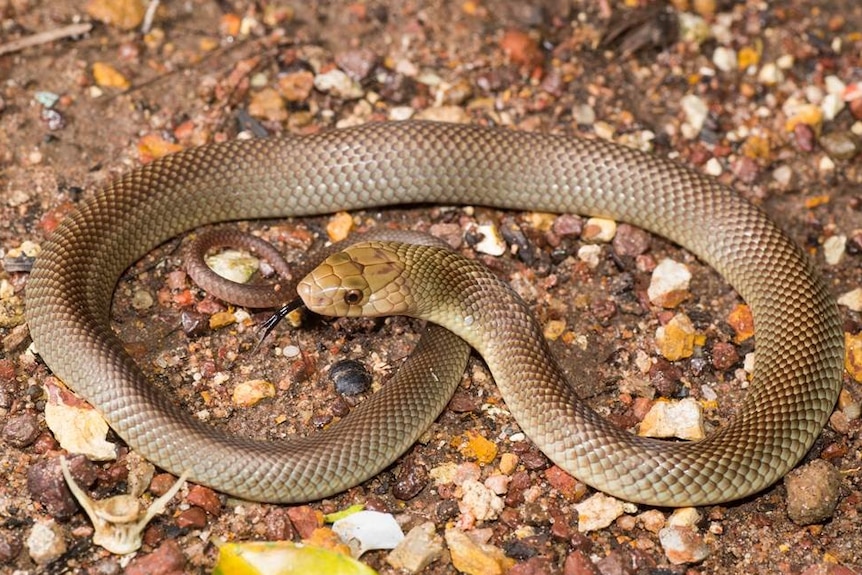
(45, 37)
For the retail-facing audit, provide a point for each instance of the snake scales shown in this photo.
(797, 373)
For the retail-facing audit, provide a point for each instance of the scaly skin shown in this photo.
(797, 374)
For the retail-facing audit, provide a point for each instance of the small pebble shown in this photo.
(338, 84)
(21, 430)
(568, 225)
(450, 114)
(598, 512)
(770, 74)
(590, 254)
(167, 559)
(192, 518)
(45, 542)
(491, 240)
(852, 299)
(840, 145)
(783, 175)
(357, 63)
(267, 104)
(684, 517)
(804, 114)
(475, 558)
(278, 525)
(724, 356)
(630, 241)
(142, 299)
(681, 419)
(812, 492)
(848, 405)
(741, 320)
(568, 486)
(296, 86)
(665, 377)
(479, 502)
(339, 226)
(234, 265)
(578, 563)
(10, 546)
(724, 59)
(350, 377)
(713, 167)
(508, 463)
(669, 284)
(831, 105)
(652, 520)
(676, 339)
(250, 393)
(419, 548)
(696, 112)
(833, 249)
(305, 520)
(410, 480)
(599, 230)
(853, 355)
(498, 483)
(683, 545)
(46, 485)
(584, 115)
(205, 498)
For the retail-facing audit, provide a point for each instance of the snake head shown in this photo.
(366, 279)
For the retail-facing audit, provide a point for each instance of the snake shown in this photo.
(799, 346)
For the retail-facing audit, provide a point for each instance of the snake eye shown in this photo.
(353, 296)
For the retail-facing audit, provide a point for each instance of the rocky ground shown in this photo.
(766, 97)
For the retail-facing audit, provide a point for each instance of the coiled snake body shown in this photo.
(798, 365)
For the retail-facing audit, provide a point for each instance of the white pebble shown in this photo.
(681, 419)
(713, 167)
(399, 113)
(831, 105)
(785, 62)
(683, 545)
(833, 249)
(589, 254)
(598, 512)
(813, 94)
(584, 115)
(695, 110)
(338, 84)
(492, 242)
(770, 74)
(748, 362)
(834, 85)
(782, 175)
(45, 543)
(290, 351)
(852, 300)
(479, 501)
(600, 230)
(724, 58)
(668, 278)
(233, 265)
(826, 164)
(684, 517)
(419, 548)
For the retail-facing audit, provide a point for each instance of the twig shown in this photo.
(148, 17)
(45, 37)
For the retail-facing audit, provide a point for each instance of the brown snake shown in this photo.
(798, 365)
